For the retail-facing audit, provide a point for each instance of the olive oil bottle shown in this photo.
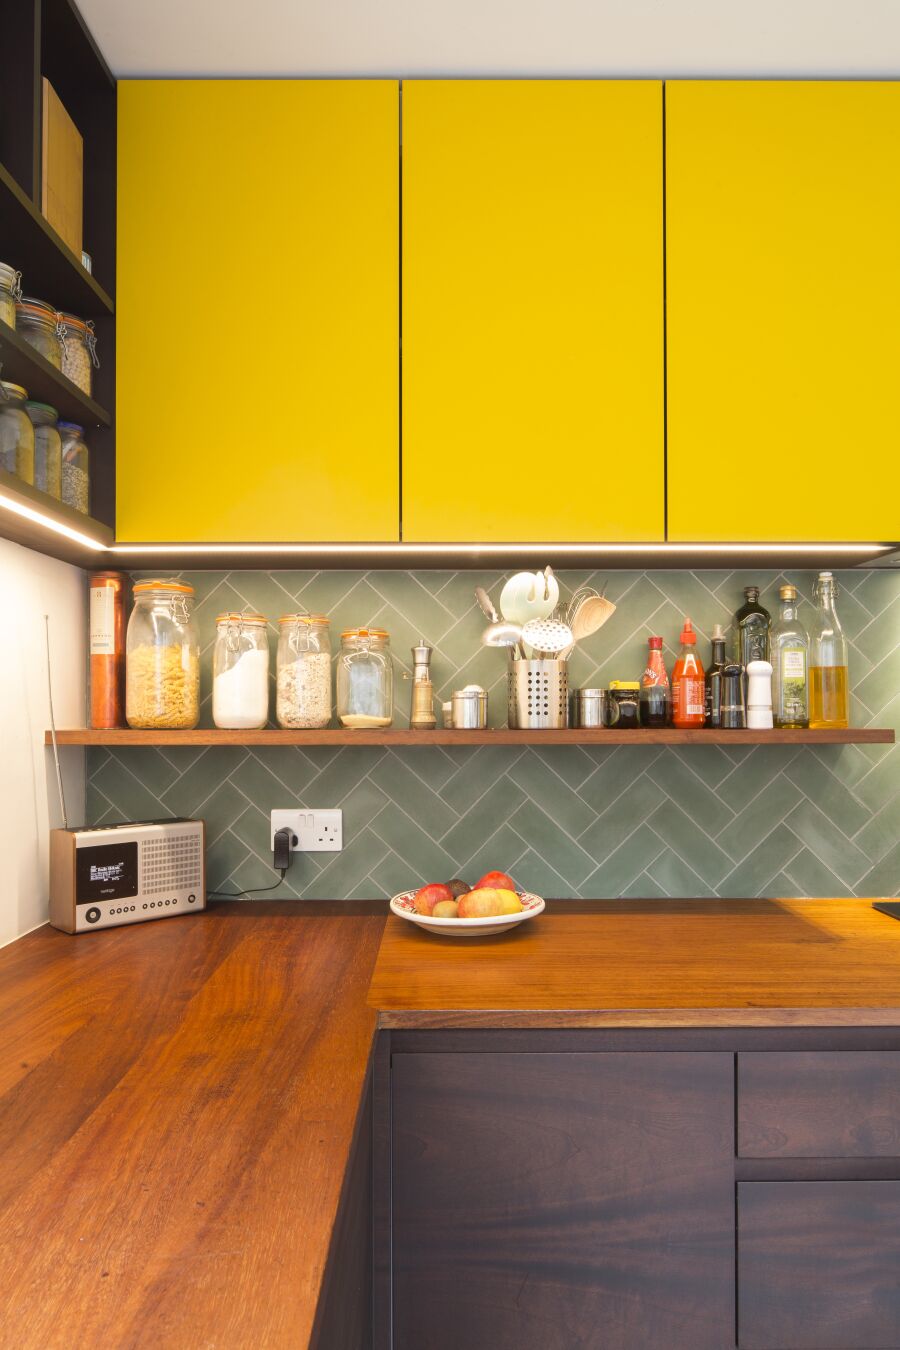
(829, 683)
(789, 654)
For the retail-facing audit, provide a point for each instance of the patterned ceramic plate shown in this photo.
(403, 905)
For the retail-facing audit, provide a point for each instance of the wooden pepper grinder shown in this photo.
(421, 717)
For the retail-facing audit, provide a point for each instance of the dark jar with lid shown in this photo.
(624, 704)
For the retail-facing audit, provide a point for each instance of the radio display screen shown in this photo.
(106, 872)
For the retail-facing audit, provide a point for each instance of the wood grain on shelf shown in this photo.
(491, 736)
(651, 963)
(179, 1103)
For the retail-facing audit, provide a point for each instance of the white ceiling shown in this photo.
(503, 37)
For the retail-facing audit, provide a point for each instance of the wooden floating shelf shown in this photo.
(498, 736)
(86, 551)
(22, 364)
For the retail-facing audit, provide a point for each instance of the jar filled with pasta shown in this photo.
(39, 325)
(162, 657)
(10, 292)
(365, 679)
(304, 672)
(79, 351)
(47, 448)
(16, 433)
(241, 672)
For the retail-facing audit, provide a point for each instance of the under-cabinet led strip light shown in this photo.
(38, 518)
(408, 548)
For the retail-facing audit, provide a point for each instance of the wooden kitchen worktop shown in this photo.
(181, 1103)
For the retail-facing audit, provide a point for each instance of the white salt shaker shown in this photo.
(759, 695)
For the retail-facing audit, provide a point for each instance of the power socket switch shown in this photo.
(312, 831)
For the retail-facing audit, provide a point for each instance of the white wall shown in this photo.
(30, 587)
(498, 37)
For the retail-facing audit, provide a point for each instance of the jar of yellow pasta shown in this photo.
(162, 657)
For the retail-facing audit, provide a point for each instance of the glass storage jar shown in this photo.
(76, 468)
(10, 292)
(304, 671)
(241, 672)
(162, 657)
(16, 433)
(47, 448)
(40, 326)
(79, 351)
(365, 679)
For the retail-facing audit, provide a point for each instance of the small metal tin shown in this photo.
(469, 708)
(588, 707)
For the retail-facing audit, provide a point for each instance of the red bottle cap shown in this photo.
(688, 636)
(655, 644)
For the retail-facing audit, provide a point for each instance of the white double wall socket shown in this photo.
(312, 831)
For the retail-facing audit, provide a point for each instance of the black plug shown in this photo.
(284, 838)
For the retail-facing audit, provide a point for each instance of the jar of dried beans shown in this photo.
(304, 672)
(162, 657)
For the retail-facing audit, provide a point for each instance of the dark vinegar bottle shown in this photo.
(714, 679)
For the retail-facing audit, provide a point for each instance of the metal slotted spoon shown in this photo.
(547, 637)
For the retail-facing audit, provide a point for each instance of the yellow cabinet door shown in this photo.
(257, 310)
(532, 310)
(783, 310)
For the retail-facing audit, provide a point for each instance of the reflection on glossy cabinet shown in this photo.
(783, 290)
(532, 310)
(258, 324)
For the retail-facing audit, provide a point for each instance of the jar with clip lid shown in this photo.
(303, 700)
(365, 679)
(241, 672)
(162, 657)
(10, 292)
(79, 351)
(16, 433)
(40, 326)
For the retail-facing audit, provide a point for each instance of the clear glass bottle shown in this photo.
(10, 292)
(79, 351)
(789, 646)
(304, 672)
(365, 679)
(240, 698)
(751, 629)
(47, 448)
(829, 683)
(39, 325)
(76, 468)
(16, 433)
(162, 657)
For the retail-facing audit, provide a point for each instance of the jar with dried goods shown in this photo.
(16, 433)
(76, 469)
(162, 657)
(10, 292)
(365, 679)
(47, 448)
(79, 351)
(241, 672)
(304, 672)
(39, 325)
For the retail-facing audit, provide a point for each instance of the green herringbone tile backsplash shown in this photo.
(566, 821)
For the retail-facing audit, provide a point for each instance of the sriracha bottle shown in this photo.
(688, 683)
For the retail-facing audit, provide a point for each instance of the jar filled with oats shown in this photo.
(10, 292)
(304, 672)
(162, 657)
(79, 351)
(39, 324)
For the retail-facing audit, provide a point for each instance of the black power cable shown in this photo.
(284, 838)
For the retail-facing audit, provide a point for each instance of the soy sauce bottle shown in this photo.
(714, 679)
(655, 700)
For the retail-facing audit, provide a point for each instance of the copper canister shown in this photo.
(107, 648)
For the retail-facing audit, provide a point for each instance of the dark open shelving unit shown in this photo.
(49, 38)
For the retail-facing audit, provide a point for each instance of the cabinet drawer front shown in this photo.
(819, 1105)
(818, 1265)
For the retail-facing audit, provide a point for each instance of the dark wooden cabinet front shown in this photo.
(558, 1200)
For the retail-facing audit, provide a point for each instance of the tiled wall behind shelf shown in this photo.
(566, 821)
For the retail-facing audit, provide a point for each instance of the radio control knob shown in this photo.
(93, 914)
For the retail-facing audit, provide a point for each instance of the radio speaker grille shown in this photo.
(171, 863)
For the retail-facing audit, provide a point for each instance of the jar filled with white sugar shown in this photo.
(240, 698)
(304, 672)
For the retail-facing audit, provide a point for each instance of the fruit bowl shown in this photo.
(403, 905)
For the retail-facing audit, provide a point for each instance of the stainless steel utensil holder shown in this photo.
(538, 694)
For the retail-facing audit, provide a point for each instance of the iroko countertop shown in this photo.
(179, 1100)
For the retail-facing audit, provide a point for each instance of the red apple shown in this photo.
(431, 895)
(497, 881)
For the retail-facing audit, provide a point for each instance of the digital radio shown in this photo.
(151, 869)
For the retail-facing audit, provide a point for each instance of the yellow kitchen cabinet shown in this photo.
(783, 297)
(257, 310)
(532, 310)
